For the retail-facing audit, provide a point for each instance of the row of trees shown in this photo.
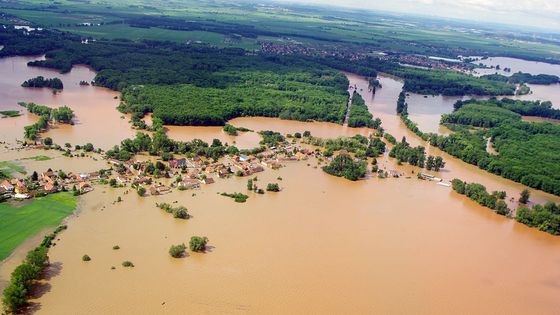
(359, 115)
(477, 192)
(522, 78)
(22, 278)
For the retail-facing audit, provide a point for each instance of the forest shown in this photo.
(529, 153)
(524, 108)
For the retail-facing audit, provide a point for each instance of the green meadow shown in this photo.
(20, 222)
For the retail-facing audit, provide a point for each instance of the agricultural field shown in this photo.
(20, 221)
(215, 22)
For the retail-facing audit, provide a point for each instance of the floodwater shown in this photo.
(322, 245)
(383, 105)
(516, 65)
(97, 119)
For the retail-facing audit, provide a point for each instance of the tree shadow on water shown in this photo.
(42, 287)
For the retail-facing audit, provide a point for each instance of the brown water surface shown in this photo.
(97, 120)
(322, 245)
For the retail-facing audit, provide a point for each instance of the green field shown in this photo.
(7, 169)
(19, 223)
(212, 21)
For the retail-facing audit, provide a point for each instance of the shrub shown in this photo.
(141, 191)
(198, 243)
(116, 247)
(273, 187)
(127, 264)
(177, 251)
(180, 213)
(86, 258)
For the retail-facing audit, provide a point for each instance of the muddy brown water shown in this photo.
(97, 120)
(322, 245)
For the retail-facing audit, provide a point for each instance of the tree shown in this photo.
(250, 184)
(14, 297)
(34, 176)
(181, 213)
(177, 251)
(438, 163)
(198, 243)
(48, 141)
(502, 208)
(273, 187)
(88, 147)
(430, 163)
(524, 196)
(141, 191)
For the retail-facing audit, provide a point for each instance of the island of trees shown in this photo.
(343, 165)
(62, 114)
(39, 82)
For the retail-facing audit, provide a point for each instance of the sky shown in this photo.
(536, 13)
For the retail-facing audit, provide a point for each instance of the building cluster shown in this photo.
(190, 173)
(47, 183)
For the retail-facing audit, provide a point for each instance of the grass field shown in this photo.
(18, 223)
(7, 169)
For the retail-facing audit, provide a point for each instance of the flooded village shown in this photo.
(399, 233)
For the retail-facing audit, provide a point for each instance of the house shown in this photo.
(154, 191)
(243, 158)
(85, 187)
(223, 172)
(142, 180)
(121, 180)
(178, 163)
(255, 168)
(189, 183)
(84, 176)
(300, 156)
(394, 173)
(208, 180)
(163, 190)
(19, 187)
(47, 175)
(49, 188)
(7, 186)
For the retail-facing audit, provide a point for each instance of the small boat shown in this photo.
(446, 184)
